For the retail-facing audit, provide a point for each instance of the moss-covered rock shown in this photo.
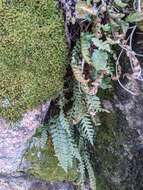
(47, 167)
(33, 55)
(44, 164)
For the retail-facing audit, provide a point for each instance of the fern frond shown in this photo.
(64, 145)
(91, 175)
(60, 139)
(85, 45)
(93, 103)
(87, 162)
(43, 138)
(72, 146)
(82, 176)
(79, 107)
(81, 166)
(87, 128)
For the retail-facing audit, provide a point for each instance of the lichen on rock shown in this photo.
(33, 54)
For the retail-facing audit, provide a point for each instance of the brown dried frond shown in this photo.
(79, 75)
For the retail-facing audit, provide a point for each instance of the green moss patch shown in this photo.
(47, 168)
(33, 54)
(44, 164)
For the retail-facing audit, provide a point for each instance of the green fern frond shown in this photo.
(43, 138)
(85, 45)
(82, 176)
(60, 139)
(94, 103)
(83, 146)
(65, 148)
(81, 164)
(87, 128)
(72, 145)
(78, 107)
(91, 175)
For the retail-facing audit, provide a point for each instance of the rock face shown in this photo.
(24, 183)
(120, 140)
(15, 142)
(14, 138)
(33, 61)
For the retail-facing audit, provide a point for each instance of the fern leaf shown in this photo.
(65, 148)
(93, 103)
(85, 45)
(82, 177)
(78, 108)
(91, 175)
(87, 128)
(43, 138)
(61, 144)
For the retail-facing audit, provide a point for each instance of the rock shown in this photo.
(24, 183)
(17, 172)
(42, 162)
(119, 141)
(14, 138)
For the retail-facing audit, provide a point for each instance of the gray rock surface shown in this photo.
(24, 183)
(119, 141)
(14, 138)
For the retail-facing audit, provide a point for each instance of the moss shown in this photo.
(140, 26)
(99, 184)
(44, 163)
(103, 157)
(33, 55)
(105, 139)
(47, 168)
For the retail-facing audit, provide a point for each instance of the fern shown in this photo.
(85, 45)
(65, 148)
(78, 107)
(73, 147)
(82, 176)
(43, 138)
(92, 64)
(91, 174)
(94, 104)
(87, 128)
(86, 166)
(68, 148)
(61, 144)
(62, 149)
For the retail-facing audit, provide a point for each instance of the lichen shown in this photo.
(33, 54)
